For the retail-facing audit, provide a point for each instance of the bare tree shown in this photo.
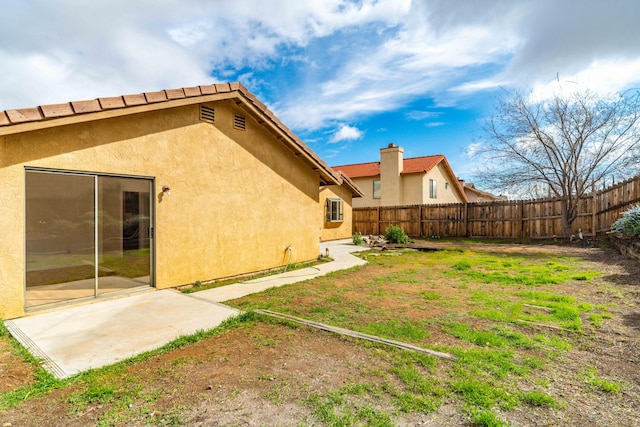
(567, 143)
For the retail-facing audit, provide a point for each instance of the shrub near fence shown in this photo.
(536, 219)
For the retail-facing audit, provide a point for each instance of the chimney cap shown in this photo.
(391, 145)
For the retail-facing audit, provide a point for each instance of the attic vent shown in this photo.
(207, 114)
(239, 122)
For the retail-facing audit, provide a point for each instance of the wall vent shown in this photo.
(207, 114)
(239, 122)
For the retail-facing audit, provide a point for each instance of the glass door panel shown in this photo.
(60, 237)
(124, 226)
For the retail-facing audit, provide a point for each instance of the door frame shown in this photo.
(96, 195)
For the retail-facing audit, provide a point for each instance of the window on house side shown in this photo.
(446, 185)
(376, 188)
(433, 189)
(335, 210)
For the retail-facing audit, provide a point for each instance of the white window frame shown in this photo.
(433, 189)
(334, 210)
(376, 194)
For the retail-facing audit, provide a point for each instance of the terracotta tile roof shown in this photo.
(359, 170)
(13, 121)
(421, 164)
(409, 165)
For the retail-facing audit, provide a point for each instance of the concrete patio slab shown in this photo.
(79, 338)
(83, 337)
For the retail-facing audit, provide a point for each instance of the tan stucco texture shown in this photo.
(341, 229)
(239, 198)
(413, 189)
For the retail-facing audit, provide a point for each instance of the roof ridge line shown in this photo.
(15, 116)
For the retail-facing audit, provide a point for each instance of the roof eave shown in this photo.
(48, 116)
(347, 182)
(454, 179)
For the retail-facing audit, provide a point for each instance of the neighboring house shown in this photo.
(159, 189)
(396, 181)
(476, 195)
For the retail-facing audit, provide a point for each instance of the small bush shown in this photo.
(357, 238)
(629, 224)
(395, 234)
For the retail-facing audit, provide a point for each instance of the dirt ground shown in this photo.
(262, 373)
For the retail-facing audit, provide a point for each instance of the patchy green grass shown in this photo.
(531, 306)
(489, 302)
(538, 398)
(505, 317)
(507, 270)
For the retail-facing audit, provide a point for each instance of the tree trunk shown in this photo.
(566, 220)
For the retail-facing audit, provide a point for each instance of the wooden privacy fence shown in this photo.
(537, 219)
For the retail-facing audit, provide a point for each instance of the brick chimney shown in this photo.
(391, 159)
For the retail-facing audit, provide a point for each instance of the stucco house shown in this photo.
(158, 189)
(476, 195)
(396, 181)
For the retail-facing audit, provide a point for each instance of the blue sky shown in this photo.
(348, 77)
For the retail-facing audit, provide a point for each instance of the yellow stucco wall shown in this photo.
(391, 180)
(445, 195)
(335, 230)
(366, 185)
(238, 198)
(414, 189)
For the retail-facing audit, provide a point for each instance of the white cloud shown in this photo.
(346, 133)
(603, 77)
(473, 149)
(421, 115)
(434, 124)
(101, 48)
(417, 59)
(348, 59)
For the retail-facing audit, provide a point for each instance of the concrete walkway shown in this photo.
(339, 250)
(78, 338)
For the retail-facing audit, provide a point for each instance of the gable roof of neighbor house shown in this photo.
(471, 188)
(45, 116)
(409, 165)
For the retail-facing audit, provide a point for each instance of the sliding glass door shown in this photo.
(124, 226)
(86, 235)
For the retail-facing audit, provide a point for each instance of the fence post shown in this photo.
(593, 215)
(378, 222)
(522, 227)
(466, 220)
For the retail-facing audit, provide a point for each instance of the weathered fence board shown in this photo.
(537, 219)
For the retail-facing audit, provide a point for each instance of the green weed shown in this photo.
(409, 402)
(591, 377)
(336, 409)
(397, 330)
(538, 398)
(499, 337)
(430, 296)
(483, 394)
(485, 418)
